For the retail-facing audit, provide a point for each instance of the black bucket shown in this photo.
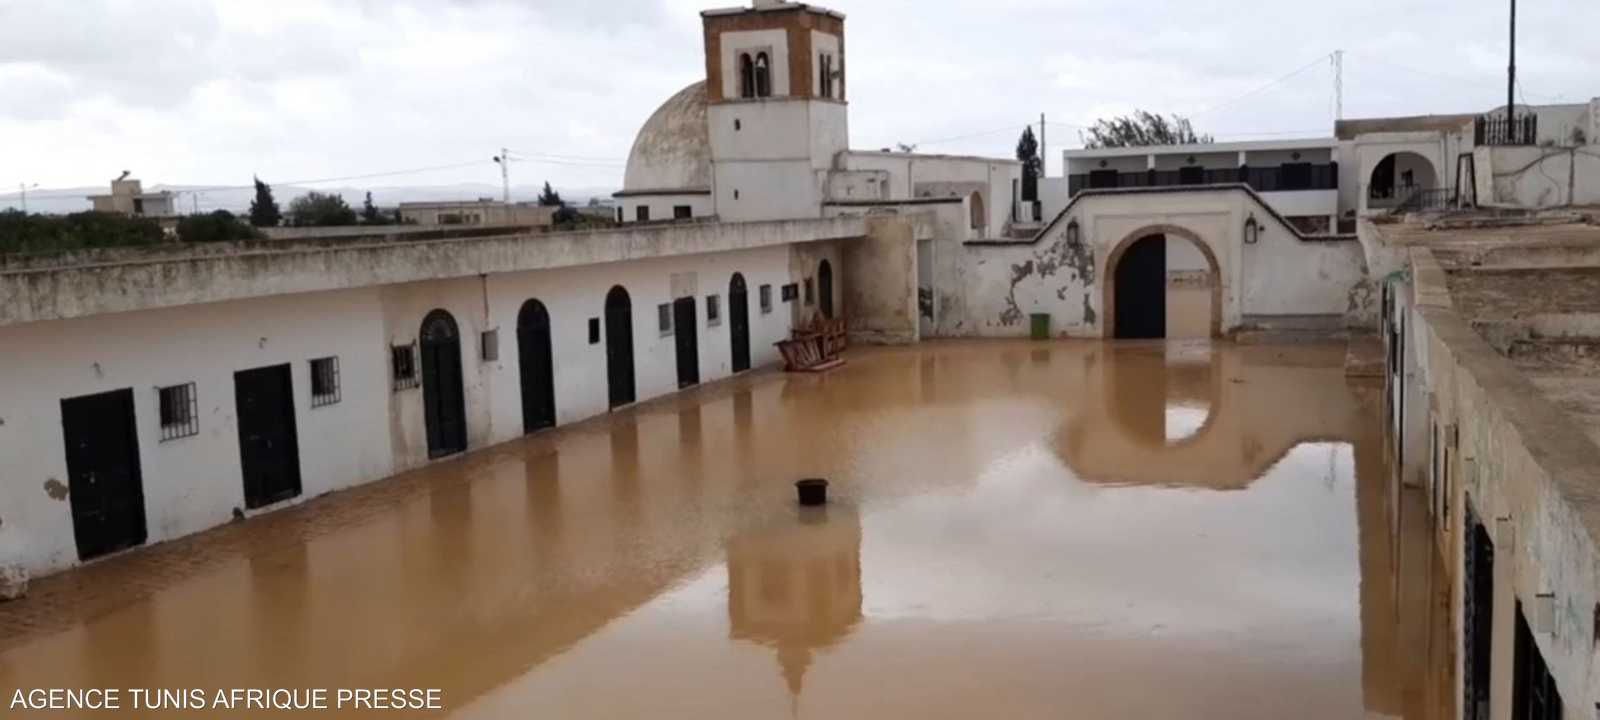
(813, 491)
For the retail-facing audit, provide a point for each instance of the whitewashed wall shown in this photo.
(194, 483)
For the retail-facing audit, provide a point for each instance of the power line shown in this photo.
(1218, 106)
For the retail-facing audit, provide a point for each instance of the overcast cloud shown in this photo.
(214, 91)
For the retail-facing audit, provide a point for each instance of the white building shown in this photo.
(482, 212)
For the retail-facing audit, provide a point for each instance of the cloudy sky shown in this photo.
(209, 92)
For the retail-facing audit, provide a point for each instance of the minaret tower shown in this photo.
(775, 93)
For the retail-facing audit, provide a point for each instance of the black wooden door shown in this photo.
(444, 400)
(269, 448)
(684, 331)
(1534, 695)
(534, 355)
(825, 288)
(619, 346)
(739, 322)
(1141, 292)
(103, 480)
(1477, 625)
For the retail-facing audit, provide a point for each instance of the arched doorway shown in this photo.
(535, 357)
(1397, 177)
(443, 399)
(685, 329)
(739, 322)
(825, 288)
(619, 346)
(1162, 282)
(1141, 290)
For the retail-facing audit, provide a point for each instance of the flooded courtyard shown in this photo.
(1072, 529)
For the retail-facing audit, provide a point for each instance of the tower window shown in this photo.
(825, 65)
(763, 75)
(747, 76)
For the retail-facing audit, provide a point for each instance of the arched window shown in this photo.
(747, 76)
(825, 64)
(763, 75)
(980, 216)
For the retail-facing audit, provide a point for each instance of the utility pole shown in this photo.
(24, 187)
(1511, 71)
(1044, 150)
(1338, 85)
(504, 158)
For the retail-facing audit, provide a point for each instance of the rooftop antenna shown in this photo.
(123, 176)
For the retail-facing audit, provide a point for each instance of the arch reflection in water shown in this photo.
(795, 586)
(1184, 414)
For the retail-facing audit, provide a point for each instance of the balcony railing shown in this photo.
(1499, 130)
(1281, 178)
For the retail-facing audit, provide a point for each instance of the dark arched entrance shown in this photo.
(443, 399)
(1141, 289)
(825, 288)
(684, 334)
(536, 359)
(619, 346)
(739, 322)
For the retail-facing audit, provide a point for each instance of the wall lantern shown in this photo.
(1252, 231)
(1072, 234)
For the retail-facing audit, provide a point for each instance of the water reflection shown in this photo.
(1018, 529)
(795, 586)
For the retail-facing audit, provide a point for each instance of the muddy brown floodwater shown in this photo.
(1085, 530)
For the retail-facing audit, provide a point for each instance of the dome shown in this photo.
(673, 149)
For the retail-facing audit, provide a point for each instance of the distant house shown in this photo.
(129, 198)
(482, 211)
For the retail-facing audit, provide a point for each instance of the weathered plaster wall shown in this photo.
(1281, 275)
(1536, 177)
(1520, 458)
(910, 173)
(881, 282)
(84, 284)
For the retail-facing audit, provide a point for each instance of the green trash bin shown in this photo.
(1040, 325)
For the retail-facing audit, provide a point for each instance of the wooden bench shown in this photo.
(815, 347)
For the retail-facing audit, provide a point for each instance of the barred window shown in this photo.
(664, 318)
(713, 310)
(324, 381)
(180, 415)
(766, 299)
(403, 364)
(811, 293)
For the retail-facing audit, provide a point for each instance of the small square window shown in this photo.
(489, 345)
(594, 331)
(766, 299)
(403, 364)
(682, 212)
(180, 414)
(324, 381)
(811, 294)
(713, 310)
(642, 213)
(791, 292)
(664, 318)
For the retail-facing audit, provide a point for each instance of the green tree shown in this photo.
(550, 198)
(1141, 129)
(263, 209)
(215, 226)
(315, 209)
(369, 212)
(1032, 166)
(33, 233)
